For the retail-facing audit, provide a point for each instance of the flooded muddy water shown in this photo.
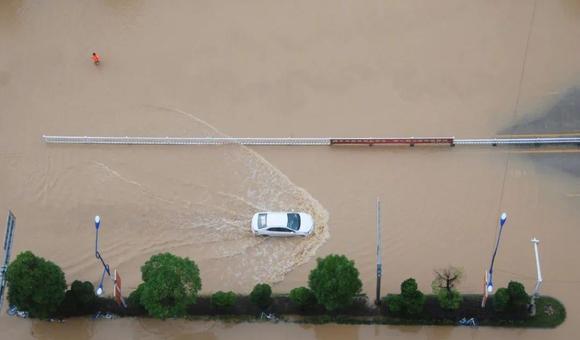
(290, 69)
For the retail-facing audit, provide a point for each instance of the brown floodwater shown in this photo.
(287, 69)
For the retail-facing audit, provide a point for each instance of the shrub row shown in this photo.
(512, 300)
(171, 284)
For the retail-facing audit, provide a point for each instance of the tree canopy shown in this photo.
(303, 297)
(501, 299)
(335, 281)
(519, 299)
(223, 300)
(80, 299)
(35, 285)
(446, 278)
(409, 303)
(444, 286)
(513, 298)
(261, 295)
(170, 283)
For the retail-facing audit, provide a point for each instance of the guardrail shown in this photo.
(184, 140)
(411, 141)
(519, 141)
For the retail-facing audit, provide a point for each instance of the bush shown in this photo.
(35, 285)
(409, 303)
(80, 299)
(449, 300)
(261, 295)
(394, 303)
(519, 299)
(223, 300)
(409, 286)
(413, 298)
(513, 298)
(501, 300)
(303, 297)
(170, 283)
(335, 281)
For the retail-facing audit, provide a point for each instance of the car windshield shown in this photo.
(262, 220)
(294, 221)
(279, 229)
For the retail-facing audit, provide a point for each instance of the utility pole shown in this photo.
(379, 259)
(7, 249)
(539, 280)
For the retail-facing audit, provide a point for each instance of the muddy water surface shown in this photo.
(281, 69)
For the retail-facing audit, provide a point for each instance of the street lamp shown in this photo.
(106, 270)
(489, 283)
(539, 279)
(97, 225)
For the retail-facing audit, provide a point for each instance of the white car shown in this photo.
(282, 224)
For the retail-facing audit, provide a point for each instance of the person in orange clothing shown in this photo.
(96, 59)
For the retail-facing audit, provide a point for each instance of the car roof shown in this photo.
(277, 219)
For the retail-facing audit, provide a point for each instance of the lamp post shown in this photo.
(539, 279)
(489, 283)
(97, 225)
(106, 270)
(379, 259)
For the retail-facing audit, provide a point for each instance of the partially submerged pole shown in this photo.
(539, 279)
(379, 259)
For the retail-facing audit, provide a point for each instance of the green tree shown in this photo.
(413, 298)
(35, 285)
(447, 278)
(513, 298)
(519, 299)
(80, 299)
(409, 303)
(394, 303)
(303, 297)
(409, 287)
(444, 284)
(449, 300)
(335, 281)
(170, 283)
(223, 300)
(501, 300)
(261, 295)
